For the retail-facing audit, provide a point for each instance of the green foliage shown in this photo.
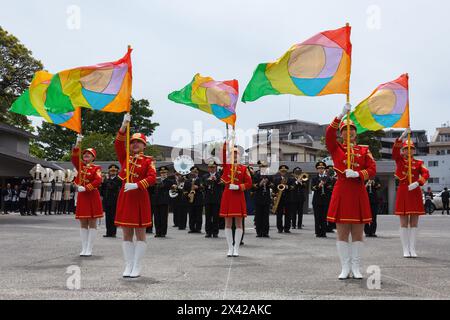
(17, 67)
(373, 140)
(99, 129)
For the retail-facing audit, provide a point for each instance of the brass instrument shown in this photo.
(304, 177)
(191, 193)
(281, 187)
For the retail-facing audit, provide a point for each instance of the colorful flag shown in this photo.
(32, 103)
(386, 107)
(103, 87)
(316, 67)
(214, 97)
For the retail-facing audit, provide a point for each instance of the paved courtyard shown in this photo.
(37, 252)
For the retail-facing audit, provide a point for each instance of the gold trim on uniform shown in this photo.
(335, 124)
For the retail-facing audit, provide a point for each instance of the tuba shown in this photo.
(69, 175)
(182, 165)
(37, 172)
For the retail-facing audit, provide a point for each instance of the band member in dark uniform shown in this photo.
(162, 199)
(372, 187)
(282, 183)
(110, 191)
(321, 186)
(195, 199)
(331, 226)
(296, 198)
(180, 202)
(261, 197)
(213, 193)
(445, 196)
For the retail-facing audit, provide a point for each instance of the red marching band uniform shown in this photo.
(233, 201)
(408, 202)
(133, 207)
(89, 203)
(350, 202)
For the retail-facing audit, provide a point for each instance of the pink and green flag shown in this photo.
(386, 107)
(319, 66)
(103, 87)
(218, 98)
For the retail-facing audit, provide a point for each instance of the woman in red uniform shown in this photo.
(89, 205)
(232, 204)
(349, 206)
(409, 203)
(133, 211)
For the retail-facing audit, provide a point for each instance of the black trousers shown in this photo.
(428, 206)
(283, 212)
(180, 214)
(110, 215)
(195, 218)
(445, 207)
(23, 206)
(262, 214)
(150, 229)
(371, 228)
(161, 217)
(46, 207)
(320, 219)
(296, 213)
(212, 218)
(7, 206)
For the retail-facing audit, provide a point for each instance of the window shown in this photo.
(433, 163)
(433, 180)
(293, 157)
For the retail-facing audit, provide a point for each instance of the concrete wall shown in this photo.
(441, 171)
(14, 142)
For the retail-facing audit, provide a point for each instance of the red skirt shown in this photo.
(89, 205)
(409, 202)
(349, 203)
(233, 204)
(133, 209)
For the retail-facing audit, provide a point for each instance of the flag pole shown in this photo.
(233, 169)
(128, 140)
(409, 141)
(79, 155)
(348, 122)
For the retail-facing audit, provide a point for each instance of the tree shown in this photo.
(373, 140)
(17, 67)
(368, 138)
(58, 141)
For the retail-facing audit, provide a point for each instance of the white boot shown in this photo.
(237, 241)
(356, 259)
(229, 237)
(412, 241)
(128, 255)
(404, 236)
(92, 235)
(139, 252)
(84, 233)
(343, 249)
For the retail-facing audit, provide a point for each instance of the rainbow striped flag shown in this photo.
(218, 98)
(386, 107)
(32, 103)
(103, 87)
(319, 66)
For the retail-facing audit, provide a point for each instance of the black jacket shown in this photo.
(110, 190)
(212, 189)
(261, 195)
(321, 195)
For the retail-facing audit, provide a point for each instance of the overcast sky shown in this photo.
(173, 40)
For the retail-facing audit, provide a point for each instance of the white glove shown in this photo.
(126, 119)
(347, 108)
(349, 173)
(405, 134)
(81, 189)
(234, 187)
(79, 138)
(413, 186)
(130, 186)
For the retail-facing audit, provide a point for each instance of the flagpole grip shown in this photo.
(348, 136)
(409, 158)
